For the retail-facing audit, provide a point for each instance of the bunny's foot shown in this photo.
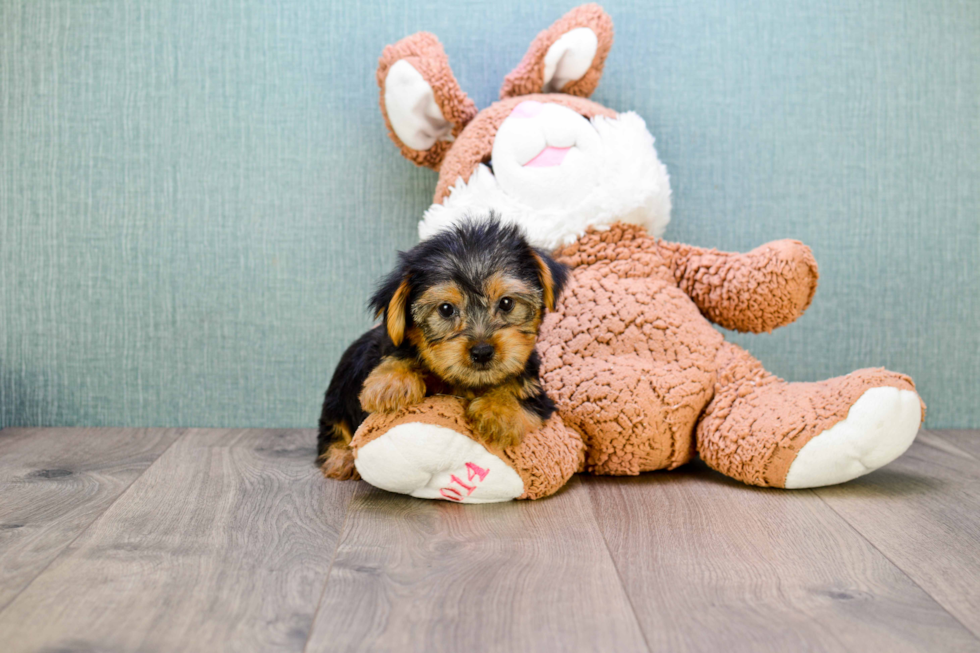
(429, 451)
(763, 431)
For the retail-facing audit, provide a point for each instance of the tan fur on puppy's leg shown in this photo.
(338, 463)
(392, 385)
(499, 417)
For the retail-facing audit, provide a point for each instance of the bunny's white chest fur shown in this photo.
(556, 175)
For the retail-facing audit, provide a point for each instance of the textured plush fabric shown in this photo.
(749, 405)
(197, 197)
(757, 292)
(424, 52)
(632, 363)
(545, 460)
(627, 356)
(528, 77)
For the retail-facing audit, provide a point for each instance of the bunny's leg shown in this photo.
(429, 451)
(635, 414)
(763, 431)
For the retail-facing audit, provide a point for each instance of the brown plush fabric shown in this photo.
(632, 364)
(528, 77)
(545, 460)
(475, 144)
(627, 357)
(424, 52)
(759, 291)
(757, 423)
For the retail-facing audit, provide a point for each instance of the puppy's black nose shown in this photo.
(482, 353)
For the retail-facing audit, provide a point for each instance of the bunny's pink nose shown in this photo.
(527, 109)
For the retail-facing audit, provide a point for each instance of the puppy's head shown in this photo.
(471, 299)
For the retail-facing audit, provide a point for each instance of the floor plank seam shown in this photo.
(619, 575)
(183, 434)
(336, 552)
(896, 566)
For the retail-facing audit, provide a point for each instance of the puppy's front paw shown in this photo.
(500, 418)
(390, 388)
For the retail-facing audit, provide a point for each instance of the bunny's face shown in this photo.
(554, 162)
(546, 154)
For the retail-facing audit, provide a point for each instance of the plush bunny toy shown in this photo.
(641, 379)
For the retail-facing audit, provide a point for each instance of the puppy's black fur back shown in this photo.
(341, 404)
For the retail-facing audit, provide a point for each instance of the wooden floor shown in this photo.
(229, 540)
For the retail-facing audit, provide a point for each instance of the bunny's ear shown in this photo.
(422, 104)
(565, 58)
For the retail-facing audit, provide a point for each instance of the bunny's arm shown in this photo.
(757, 291)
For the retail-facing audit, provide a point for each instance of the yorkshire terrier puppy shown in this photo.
(460, 316)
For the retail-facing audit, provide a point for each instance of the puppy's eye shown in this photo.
(447, 310)
(506, 304)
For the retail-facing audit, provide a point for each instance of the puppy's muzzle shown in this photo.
(481, 354)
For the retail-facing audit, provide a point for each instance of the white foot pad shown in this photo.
(879, 427)
(434, 462)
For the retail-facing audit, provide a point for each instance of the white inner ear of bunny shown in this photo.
(569, 58)
(412, 109)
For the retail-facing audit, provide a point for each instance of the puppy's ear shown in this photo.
(565, 58)
(422, 104)
(396, 316)
(552, 276)
(391, 302)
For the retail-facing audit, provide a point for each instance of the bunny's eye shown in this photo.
(447, 310)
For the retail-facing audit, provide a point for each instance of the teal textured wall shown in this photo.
(196, 195)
